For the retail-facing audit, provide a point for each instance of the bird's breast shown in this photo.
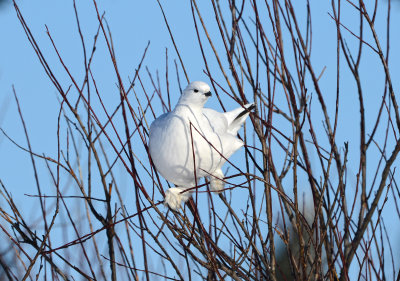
(182, 146)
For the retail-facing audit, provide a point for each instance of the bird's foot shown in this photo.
(174, 197)
(216, 181)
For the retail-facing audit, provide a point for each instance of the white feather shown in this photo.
(192, 142)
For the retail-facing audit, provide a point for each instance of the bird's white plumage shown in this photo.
(192, 142)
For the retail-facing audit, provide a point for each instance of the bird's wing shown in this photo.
(229, 143)
(217, 120)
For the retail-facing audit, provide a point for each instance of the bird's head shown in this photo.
(195, 94)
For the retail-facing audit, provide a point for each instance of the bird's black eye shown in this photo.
(196, 91)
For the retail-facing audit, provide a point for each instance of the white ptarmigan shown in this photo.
(192, 142)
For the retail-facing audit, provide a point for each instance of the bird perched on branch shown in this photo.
(192, 142)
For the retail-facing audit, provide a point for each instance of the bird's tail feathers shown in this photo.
(238, 121)
(248, 107)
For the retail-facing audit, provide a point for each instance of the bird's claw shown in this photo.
(174, 197)
(216, 181)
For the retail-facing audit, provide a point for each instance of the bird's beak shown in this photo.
(208, 94)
